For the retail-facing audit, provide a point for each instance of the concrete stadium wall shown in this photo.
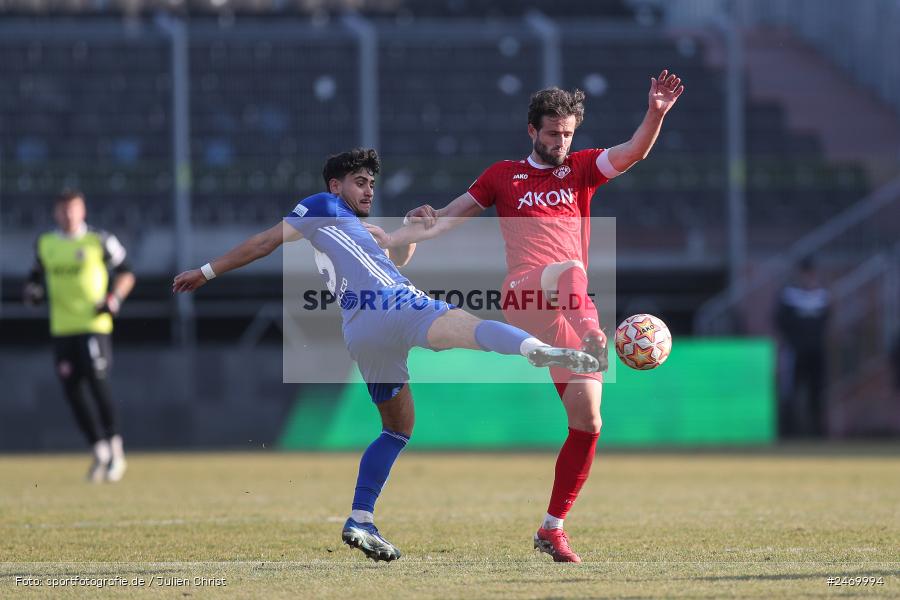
(224, 398)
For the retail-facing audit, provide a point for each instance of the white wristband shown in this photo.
(208, 272)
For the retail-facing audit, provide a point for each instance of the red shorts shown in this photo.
(533, 312)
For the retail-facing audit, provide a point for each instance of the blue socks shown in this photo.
(379, 457)
(494, 336)
(375, 466)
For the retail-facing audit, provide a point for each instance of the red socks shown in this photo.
(572, 468)
(579, 309)
(577, 454)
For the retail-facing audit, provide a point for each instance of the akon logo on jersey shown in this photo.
(551, 198)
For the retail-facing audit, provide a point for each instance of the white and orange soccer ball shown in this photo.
(643, 342)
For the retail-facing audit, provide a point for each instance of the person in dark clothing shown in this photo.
(84, 276)
(801, 317)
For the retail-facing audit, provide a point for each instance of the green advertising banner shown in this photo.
(710, 392)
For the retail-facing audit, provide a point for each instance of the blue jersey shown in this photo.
(396, 316)
(355, 268)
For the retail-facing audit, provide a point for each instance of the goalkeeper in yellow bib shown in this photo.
(72, 272)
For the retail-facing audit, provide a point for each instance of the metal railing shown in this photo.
(510, 37)
(718, 314)
(865, 323)
(868, 34)
(862, 37)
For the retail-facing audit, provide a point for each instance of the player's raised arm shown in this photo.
(253, 248)
(424, 222)
(664, 91)
(400, 255)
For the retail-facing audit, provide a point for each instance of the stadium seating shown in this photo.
(87, 112)
(265, 110)
(268, 102)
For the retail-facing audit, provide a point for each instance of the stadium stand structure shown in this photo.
(402, 10)
(88, 104)
(266, 106)
(96, 113)
(89, 112)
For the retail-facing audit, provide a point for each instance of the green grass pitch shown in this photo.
(648, 525)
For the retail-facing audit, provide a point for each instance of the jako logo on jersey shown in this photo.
(520, 176)
(551, 198)
(340, 291)
(562, 171)
(516, 282)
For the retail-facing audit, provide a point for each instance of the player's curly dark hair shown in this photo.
(554, 102)
(338, 165)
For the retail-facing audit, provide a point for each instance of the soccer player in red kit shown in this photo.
(544, 205)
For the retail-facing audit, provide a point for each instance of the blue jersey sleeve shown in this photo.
(313, 213)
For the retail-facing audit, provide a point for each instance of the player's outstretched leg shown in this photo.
(459, 329)
(397, 418)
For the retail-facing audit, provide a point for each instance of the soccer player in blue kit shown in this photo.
(383, 317)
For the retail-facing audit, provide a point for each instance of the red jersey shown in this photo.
(556, 200)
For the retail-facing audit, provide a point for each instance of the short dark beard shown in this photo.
(356, 211)
(359, 213)
(546, 156)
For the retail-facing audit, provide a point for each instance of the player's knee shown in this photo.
(551, 273)
(402, 424)
(407, 424)
(405, 429)
(588, 423)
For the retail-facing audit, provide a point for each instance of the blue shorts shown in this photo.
(379, 341)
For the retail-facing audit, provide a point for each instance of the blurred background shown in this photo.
(191, 125)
